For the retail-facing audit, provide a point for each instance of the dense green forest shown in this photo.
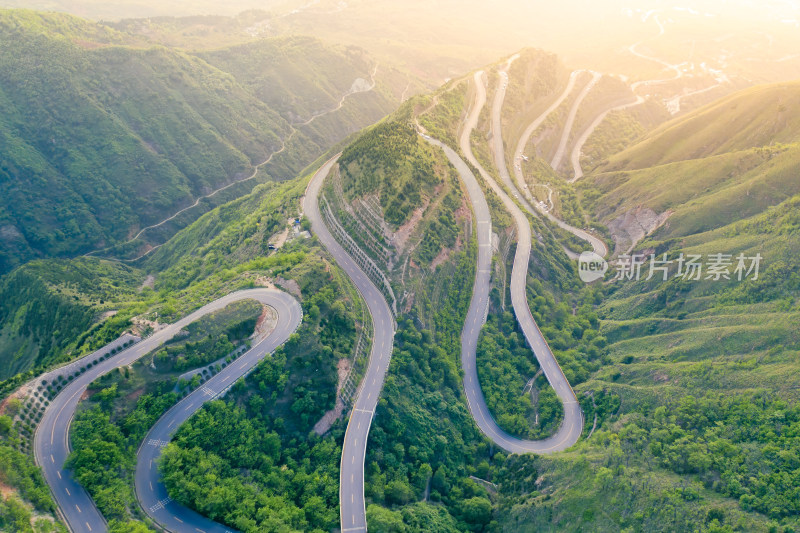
(124, 404)
(423, 444)
(516, 393)
(264, 427)
(51, 311)
(157, 124)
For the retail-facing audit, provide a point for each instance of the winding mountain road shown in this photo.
(498, 149)
(150, 492)
(497, 146)
(573, 112)
(575, 158)
(570, 430)
(533, 126)
(51, 441)
(352, 506)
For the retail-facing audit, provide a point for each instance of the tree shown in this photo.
(382, 520)
(477, 511)
(439, 481)
(5, 424)
(398, 492)
(316, 511)
(603, 477)
(14, 516)
(423, 475)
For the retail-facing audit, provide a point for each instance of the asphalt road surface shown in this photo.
(498, 149)
(570, 430)
(573, 112)
(351, 474)
(575, 158)
(150, 492)
(533, 126)
(51, 442)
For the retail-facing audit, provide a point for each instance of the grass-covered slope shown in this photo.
(728, 161)
(700, 401)
(758, 116)
(103, 133)
(286, 74)
(101, 140)
(703, 429)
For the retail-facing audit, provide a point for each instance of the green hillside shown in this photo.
(102, 134)
(737, 171)
(705, 373)
(51, 310)
(536, 79)
(98, 141)
(62, 302)
(690, 388)
(702, 373)
(758, 116)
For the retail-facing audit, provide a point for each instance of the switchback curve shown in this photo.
(51, 452)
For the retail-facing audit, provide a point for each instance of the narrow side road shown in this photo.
(51, 441)
(533, 126)
(256, 169)
(352, 507)
(150, 492)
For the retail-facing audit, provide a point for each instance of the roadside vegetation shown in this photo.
(518, 396)
(26, 505)
(275, 472)
(124, 404)
(287, 394)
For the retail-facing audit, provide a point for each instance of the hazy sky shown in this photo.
(447, 37)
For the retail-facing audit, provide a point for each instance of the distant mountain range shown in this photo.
(103, 134)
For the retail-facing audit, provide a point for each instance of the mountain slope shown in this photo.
(98, 142)
(702, 385)
(758, 116)
(103, 134)
(730, 160)
(51, 310)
